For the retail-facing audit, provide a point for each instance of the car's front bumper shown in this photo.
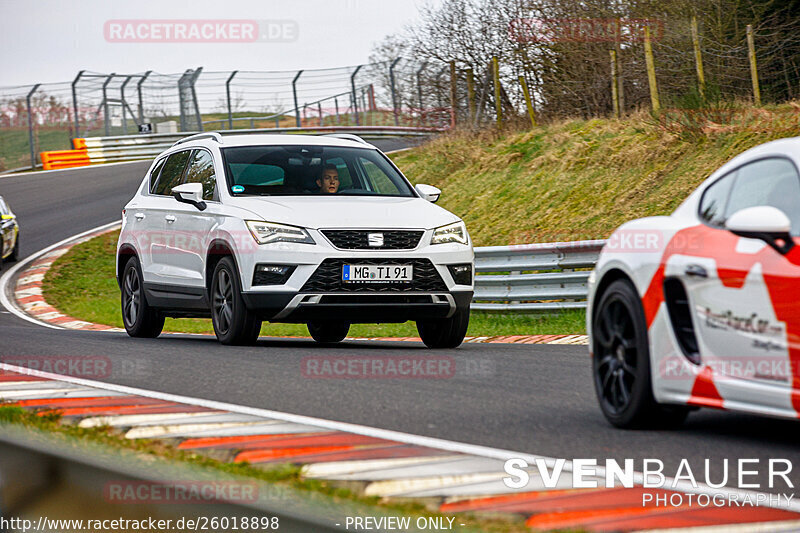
(360, 307)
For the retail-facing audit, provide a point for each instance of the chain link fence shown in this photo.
(45, 117)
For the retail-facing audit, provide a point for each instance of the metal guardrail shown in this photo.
(534, 277)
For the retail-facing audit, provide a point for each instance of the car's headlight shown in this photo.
(268, 232)
(456, 232)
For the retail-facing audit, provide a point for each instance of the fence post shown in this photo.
(30, 124)
(471, 93)
(419, 88)
(228, 97)
(614, 89)
(294, 93)
(124, 104)
(453, 94)
(528, 102)
(353, 95)
(497, 104)
(75, 102)
(193, 80)
(139, 95)
(751, 47)
(651, 70)
(105, 102)
(698, 59)
(394, 91)
(319, 108)
(336, 104)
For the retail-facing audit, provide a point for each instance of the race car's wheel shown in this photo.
(14, 251)
(234, 324)
(139, 318)
(621, 362)
(444, 332)
(328, 331)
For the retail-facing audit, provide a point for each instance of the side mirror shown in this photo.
(190, 193)
(428, 192)
(764, 222)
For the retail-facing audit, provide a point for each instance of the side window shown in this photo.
(154, 175)
(201, 170)
(773, 182)
(3, 208)
(172, 173)
(712, 205)
(377, 178)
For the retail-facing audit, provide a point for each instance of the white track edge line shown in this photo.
(8, 275)
(388, 434)
(42, 172)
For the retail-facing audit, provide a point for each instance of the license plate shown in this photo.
(377, 273)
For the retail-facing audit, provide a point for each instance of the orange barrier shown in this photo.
(79, 143)
(64, 159)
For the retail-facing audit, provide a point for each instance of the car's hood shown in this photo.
(347, 212)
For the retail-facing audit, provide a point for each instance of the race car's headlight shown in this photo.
(268, 232)
(456, 232)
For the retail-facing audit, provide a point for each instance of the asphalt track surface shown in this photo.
(528, 398)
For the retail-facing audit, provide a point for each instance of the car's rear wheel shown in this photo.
(233, 323)
(14, 251)
(139, 318)
(621, 362)
(444, 332)
(328, 331)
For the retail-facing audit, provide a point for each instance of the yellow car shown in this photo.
(9, 229)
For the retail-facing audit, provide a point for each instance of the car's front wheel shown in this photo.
(139, 318)
(328, 331)
(444, 332)
(233, 322)
(621, 362)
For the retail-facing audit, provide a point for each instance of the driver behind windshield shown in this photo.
(328, 181)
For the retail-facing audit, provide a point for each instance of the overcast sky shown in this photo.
(51, 40)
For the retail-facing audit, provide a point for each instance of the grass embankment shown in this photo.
(81, 284)
(580, 179)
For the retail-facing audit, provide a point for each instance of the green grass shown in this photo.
(580, 179)
(81, 284)
(15, 148)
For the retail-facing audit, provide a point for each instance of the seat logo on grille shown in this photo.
(375, 239)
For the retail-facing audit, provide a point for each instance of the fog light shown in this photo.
(272, 274)
(462, 274)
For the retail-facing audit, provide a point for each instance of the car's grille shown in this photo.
(328, 277)
(359, 240)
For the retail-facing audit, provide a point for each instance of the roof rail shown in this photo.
(348, 136)
(210, 135)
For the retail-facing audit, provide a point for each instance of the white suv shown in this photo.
(321, 230)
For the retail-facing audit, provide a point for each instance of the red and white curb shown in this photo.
(456, 477)
(28, 298)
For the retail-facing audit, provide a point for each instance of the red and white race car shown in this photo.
(701, 308)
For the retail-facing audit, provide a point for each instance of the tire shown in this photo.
(15, 251)
(139, 318)
(328, 331)
(621, 363)
(444, 332)
(234, 324)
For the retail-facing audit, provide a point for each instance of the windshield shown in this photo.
(311, 170)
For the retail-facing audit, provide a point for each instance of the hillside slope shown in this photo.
(580, 179)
